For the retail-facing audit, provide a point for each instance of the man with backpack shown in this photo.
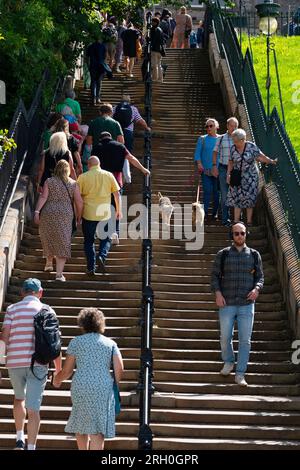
(110, 37)
(128, 115)
(237, 279)
(31, 334)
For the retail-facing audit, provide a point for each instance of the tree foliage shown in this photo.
(40, 34)
(6, 143)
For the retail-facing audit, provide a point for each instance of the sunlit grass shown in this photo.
(288, 58)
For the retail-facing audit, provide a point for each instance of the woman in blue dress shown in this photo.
(93, 405)
(243, 156)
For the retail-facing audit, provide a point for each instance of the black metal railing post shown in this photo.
(145, 386)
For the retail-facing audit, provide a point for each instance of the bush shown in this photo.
(6, 143)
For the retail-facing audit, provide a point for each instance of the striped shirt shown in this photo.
(222, 147)
(19, 318)
(135, 117)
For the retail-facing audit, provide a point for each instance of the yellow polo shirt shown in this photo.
(96, 187)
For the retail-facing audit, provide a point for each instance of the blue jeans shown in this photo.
(210, 187)
(224, 190)
(89, 230)
(244, 314)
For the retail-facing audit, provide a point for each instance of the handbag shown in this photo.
(236, 174)
(74, 221)
(188, 30)
(116, 390)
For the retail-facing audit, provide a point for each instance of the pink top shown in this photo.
(183, 22)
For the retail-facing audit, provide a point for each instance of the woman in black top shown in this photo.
(58, 150)
(130, 37)
(62, 125)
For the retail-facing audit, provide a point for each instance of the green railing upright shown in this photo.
(269, 134)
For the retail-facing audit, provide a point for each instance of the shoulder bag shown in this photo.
(116, 389)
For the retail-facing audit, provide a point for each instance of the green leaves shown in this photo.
(6, 144)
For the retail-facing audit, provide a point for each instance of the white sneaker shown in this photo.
(115, 239)
(118, 70)
(227, 368)
(240, 380)
(60, 278)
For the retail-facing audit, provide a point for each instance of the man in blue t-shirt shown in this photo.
(204, 159)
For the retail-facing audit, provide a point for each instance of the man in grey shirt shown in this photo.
(237, 278)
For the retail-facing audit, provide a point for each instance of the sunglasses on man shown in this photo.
(236, 234)
(209, 125)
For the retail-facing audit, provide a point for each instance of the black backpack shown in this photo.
(123, 114)
(47, 337)
(110, 33)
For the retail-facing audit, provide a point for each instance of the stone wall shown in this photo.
(12, 232)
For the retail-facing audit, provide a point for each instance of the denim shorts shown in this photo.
(28, 387)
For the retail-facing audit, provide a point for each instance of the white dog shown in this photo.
(198, 214)
(165, 208)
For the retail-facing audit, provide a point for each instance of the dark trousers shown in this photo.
(128, 137)
(89, 230)
(96, 83)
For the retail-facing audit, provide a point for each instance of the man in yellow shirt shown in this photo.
(96, 187)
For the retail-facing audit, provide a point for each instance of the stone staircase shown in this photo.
(194, 408)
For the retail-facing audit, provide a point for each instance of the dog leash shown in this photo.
(198, 192)
(190, 182)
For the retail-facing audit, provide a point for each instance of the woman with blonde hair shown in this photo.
(184, 26)
(63, 125)
(58, 150)
(93, 404)
(59, 196)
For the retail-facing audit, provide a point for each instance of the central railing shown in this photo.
(145, 386)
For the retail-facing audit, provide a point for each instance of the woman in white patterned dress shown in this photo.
(93, 405)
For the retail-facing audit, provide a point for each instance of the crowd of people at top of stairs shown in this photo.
(119, 45)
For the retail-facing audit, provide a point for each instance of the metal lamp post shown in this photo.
(267, 12)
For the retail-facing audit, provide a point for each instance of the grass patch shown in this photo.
(288, 53)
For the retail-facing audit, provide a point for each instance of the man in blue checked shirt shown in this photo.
(237, 279)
